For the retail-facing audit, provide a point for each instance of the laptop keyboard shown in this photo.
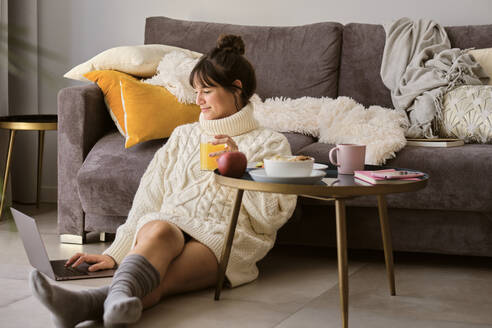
(62, 271)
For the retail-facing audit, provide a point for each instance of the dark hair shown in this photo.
(225, 64)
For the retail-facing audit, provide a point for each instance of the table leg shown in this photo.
(388, 248)
(226, 249)
(40, 165)
(7, 169)
(342, 259)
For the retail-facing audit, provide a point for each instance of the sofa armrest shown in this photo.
(82, 120)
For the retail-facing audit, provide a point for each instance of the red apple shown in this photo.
(232, 164)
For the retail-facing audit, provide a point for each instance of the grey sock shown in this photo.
(135, 278)
(68, 307)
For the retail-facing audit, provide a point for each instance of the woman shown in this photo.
(175, 230)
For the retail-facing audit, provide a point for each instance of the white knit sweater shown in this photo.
(174, 189)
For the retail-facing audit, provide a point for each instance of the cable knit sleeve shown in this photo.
(267, 211)
(148, 199)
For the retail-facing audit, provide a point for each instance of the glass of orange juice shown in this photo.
(207, 162)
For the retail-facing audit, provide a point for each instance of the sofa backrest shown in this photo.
(362, 52)
(289, 61)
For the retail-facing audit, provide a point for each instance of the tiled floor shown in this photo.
(297, 288)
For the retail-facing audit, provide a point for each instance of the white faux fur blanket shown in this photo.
(290, 115)
(382, 130)
(333, 121)
(337, 121)
(173, 73)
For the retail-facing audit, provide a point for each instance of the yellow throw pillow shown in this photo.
(484, 58)
(152, 112)
(109, 83)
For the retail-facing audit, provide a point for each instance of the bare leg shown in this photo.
(195, 268)
(159, 242)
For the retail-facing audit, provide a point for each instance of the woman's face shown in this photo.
(215, 102)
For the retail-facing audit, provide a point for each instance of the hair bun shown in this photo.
(232, 43)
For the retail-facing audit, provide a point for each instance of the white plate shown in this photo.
(319, 166)
(316, 166)
(259, 175)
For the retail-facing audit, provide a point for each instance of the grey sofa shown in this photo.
(98, 177)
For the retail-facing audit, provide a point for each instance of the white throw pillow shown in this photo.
(140, 60)
(467, 114)
(484, 58)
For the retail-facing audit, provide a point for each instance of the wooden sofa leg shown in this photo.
(73, 239)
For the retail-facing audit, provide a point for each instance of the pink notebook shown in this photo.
(367, 176)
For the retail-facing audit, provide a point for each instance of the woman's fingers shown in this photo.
(79, 261)
(218, 153)
(225, 139)
(73, 258)
(87, 258)
(100, 266)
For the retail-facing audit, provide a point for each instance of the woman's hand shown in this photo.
(227, 141)
(101, 261)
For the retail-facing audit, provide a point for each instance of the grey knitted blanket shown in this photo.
(419, 67)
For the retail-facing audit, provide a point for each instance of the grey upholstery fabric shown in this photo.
(289, 61)
(109, 177)
(456, 173)
(459, 178)
(429, 231)
(362, 52)
(82, 120)
(471, 36)
(103, 223)
(298, 141)
(319, 151)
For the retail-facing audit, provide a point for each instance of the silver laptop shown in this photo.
(38, 257)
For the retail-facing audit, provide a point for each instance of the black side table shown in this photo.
(38, 123)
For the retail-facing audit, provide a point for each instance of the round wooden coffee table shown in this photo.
(38, 123)
(333, 187)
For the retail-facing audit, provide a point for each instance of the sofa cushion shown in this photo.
(319, 151)
(310, 52)
(110, 174)
(298, 141)
(456, 177)
(362, 53)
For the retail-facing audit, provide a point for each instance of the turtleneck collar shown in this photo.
(239, 123)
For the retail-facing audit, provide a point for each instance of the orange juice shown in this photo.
(207, 162)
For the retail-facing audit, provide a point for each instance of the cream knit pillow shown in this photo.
(484, 58)
(467, 114)
(140, 60)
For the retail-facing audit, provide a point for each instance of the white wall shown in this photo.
(78, 30)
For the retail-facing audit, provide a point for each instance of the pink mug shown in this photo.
(350, 158)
